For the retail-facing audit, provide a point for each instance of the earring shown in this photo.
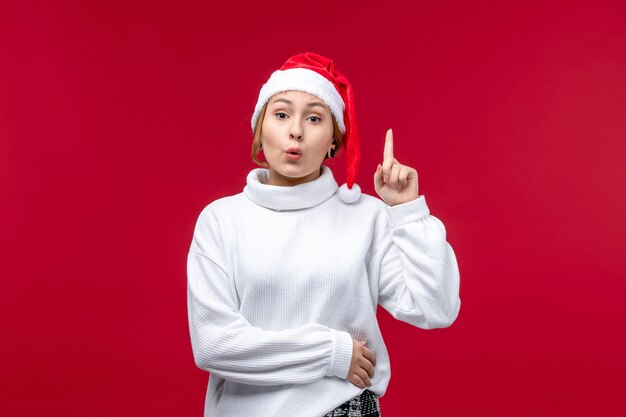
(331, 152)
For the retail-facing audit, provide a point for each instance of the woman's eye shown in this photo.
(281, 113)
(315, 117)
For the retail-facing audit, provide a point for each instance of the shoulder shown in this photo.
(220, 209)
(366, 209)
(369, 202)
(356, 199)
(384, 215)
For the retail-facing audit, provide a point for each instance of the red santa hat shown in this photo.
(317, 75)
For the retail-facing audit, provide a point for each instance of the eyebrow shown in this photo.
(312, 104)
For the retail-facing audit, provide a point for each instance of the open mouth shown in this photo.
(293, 154)
(294, 151)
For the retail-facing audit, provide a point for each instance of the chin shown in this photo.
(294, 171)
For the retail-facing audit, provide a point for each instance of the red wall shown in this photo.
(120, 121)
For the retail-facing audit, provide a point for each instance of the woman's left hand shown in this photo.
(394, 183)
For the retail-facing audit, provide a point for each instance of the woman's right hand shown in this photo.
(362, 365)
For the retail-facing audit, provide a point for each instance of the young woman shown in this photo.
(284, 277)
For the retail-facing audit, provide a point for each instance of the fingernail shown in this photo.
(386, 178)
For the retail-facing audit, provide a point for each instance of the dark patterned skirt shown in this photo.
(364, 405)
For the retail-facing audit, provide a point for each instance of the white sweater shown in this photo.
(281, 279)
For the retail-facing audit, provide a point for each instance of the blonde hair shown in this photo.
(256, 142)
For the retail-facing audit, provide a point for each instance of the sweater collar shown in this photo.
(294, 197)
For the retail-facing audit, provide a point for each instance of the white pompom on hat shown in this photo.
(316, 75)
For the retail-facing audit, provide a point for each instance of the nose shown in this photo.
(295, 131)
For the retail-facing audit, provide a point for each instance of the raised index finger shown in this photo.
(388, 152)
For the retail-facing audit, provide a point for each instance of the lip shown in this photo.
(293, 153)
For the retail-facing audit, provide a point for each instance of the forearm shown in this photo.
(224, 342)
(420, 274)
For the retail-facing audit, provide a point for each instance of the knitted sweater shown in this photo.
(282, 279)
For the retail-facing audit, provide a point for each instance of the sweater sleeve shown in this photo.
(417, 269)
(224, 343)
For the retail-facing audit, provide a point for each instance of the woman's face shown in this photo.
(297, 132)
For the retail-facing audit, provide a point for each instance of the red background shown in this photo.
(120, 121)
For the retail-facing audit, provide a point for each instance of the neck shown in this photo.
(300, 196)
(276, 178)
